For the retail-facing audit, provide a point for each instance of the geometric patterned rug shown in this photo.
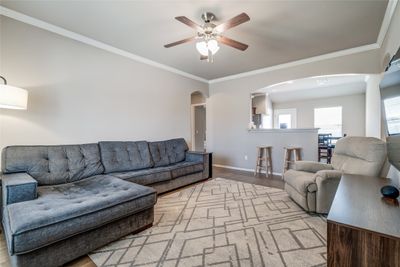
(223, 223)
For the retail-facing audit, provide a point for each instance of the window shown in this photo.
(392, 112)
(329, 120)
(285, 118)
(285, 121)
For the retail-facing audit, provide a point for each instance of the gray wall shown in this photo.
(79, 94)
(241, 153)
(353, 112)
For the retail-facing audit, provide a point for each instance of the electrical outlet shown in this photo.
(245, 157)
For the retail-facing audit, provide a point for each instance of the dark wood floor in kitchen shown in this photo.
(242, 176)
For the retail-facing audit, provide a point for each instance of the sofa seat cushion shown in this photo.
(62, 211)
(146, 177)
(185, 168)
(303, 182)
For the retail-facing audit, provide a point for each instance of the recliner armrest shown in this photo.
(327, 183)
(18, 187)
(327, 175)
(311, 166)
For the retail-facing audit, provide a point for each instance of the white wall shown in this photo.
(373, 107)
(353, 112)
(79, 94)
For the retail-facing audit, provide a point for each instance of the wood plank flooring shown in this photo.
(242, 176)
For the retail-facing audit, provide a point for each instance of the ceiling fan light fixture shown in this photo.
(213, 46)
(202, 48)
(210, 34)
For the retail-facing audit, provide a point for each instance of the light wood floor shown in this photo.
(241, 176)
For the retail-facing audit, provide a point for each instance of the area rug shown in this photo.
(223, 223)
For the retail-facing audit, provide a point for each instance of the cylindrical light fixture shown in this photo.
(12, 97)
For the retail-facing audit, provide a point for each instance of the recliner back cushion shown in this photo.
(359, 155)
(125, 156)
(159, 154)
(51, 165)
(176, 150)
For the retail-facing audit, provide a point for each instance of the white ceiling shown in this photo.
(316, 87)
(278, 32)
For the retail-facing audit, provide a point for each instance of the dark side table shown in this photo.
(363, 227)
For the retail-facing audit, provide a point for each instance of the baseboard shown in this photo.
(242, 169)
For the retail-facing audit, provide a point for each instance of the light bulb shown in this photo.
(215, 50)
(213, 46)
(202, 48)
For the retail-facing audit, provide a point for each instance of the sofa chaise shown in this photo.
(61, 202)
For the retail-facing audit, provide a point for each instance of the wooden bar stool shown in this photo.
(289, 151)
(264, 160)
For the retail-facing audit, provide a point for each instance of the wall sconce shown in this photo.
(12, 97)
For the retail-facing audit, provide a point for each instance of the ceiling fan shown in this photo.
(210, 35)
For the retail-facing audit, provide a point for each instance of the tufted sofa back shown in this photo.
(51, 165)
(359, 155)
(168, 152)
(120, 156)
(176, 150)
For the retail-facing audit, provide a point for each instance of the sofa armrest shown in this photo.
(311, 166)
(327, 183)
(196, 156)
(203, 157)
(18, 187)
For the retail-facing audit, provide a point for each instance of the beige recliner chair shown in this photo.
(313, 185)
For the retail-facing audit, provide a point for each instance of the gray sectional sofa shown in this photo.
(61, 202)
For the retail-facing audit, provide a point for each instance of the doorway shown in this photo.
(198, 110)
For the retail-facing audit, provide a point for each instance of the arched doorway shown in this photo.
(198, 121)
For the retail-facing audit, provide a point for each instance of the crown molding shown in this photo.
(298, 62)
(386, 21)
(89, 41)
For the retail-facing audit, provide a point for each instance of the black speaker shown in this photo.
(390, 191)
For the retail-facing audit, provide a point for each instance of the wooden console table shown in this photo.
(363, 229)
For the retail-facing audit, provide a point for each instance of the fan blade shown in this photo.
(203, 57)
(180, 42)
(233, 22)
(232, 43)
(189, 22)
